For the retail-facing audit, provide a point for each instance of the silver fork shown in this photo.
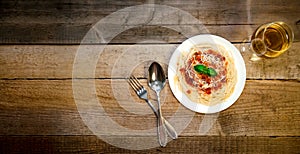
(143, 94)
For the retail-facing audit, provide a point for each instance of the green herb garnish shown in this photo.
(205, 70)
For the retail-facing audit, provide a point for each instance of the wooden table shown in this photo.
(40, 39)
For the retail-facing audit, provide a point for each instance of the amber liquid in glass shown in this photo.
(276, 39)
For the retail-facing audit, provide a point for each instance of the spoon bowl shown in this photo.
(157, 78)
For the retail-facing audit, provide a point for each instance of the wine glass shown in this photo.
(269, 40)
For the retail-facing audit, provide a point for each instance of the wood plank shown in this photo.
(47, 107)
(203, 144)
(57, 33)
(211, 12)
(118, 61)
(59, 22)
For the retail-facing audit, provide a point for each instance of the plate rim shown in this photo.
(239, 64)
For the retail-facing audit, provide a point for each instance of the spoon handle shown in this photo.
(161, 129)
(170, 129)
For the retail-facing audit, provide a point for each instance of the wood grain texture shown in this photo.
(38, 45)
(203, 144)
(118, 61)
(74, 34)
(47, 107)
(60, 22)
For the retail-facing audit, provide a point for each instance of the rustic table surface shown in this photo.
(40, 41)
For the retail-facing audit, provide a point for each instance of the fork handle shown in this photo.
(170, 129)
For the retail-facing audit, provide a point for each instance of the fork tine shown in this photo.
(133, 82)
(137, 82)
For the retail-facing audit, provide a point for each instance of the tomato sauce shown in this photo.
(202, 82)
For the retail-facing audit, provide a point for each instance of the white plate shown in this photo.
(238, 61)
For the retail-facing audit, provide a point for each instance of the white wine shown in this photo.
(272, 39)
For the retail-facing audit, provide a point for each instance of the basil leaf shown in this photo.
(204, 70)
(211, 72)
(200, 69)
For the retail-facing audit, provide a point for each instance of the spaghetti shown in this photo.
(203, 87)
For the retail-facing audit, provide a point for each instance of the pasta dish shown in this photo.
(206, 74)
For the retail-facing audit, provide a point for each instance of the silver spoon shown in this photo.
(157, 81)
